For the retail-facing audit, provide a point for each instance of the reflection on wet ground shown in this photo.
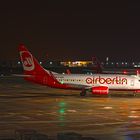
(51, 111)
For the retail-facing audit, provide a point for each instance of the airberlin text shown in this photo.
(101, 80)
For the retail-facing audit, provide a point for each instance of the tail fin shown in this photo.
(33, 71)
(97, 63)
(68, 71)
(30, 64)
(138, 73)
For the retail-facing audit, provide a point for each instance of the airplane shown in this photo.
(99, 84)
(100, 69)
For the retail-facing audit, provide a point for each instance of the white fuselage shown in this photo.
(112, 81)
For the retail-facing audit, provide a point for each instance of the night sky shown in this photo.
(71, 30)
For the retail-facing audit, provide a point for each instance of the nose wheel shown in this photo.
(134, 94)
(83, 92)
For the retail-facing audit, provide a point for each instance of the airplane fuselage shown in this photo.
(112, 81)
(96, 83)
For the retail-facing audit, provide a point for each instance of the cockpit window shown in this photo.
(139, 80)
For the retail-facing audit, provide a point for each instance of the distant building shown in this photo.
(76, 63)
(111, 64)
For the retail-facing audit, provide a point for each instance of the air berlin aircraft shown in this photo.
(96, 83)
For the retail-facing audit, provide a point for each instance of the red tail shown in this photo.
(68, 71)
(98, 64)
(34, 72)
(30, 64)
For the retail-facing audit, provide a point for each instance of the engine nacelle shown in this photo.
(100, 90)
(137, 91)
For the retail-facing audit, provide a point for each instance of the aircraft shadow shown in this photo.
(59, 95)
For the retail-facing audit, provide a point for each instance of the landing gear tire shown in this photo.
(83, 93)
(134, 94)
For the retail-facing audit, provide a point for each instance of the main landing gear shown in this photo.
(83, 92)
(134, 93)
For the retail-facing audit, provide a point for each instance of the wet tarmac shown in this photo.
(51, 111)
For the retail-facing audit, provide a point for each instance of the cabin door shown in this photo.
(132, 83)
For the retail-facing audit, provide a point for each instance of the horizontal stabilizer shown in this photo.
(22, 75)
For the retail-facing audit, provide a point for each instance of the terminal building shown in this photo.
(15, 66)
(81, 63)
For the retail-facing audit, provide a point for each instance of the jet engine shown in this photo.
(100, 90)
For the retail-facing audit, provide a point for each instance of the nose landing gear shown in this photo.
(83, 92)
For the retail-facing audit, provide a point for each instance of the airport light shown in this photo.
(117, 64)
(62, 104)
(137, 71)
(107, 59)
(106, 63)
(124, 72)
(40, 63)
(51, 63)
(62, 111)
(18, 62)
(122, 63)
